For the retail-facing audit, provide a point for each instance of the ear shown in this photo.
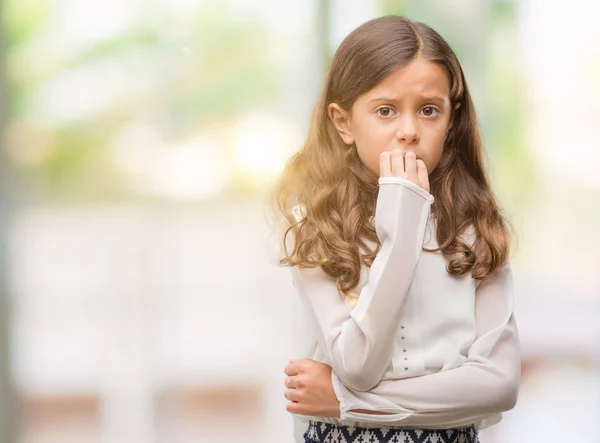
(340, 118)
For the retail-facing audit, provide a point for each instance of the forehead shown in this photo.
(419, 77)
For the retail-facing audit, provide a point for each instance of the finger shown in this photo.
(397, 163)
(290, 383)
(410, 165)
(423, 175)
(291, 368)
(295, 408)
(291, 395)
(385, 166)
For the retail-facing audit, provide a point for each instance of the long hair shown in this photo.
(338, 194)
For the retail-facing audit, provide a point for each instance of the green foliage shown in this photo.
(202, 69)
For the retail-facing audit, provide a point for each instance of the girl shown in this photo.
(398, 250)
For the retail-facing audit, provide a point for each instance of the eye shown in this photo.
(385, 111)
(429, 111)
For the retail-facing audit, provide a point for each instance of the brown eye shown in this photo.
(385, 111)
(429, 111)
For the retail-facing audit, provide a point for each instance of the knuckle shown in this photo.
(304, 364)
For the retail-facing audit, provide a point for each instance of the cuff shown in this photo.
(392, 415)
(488, 421)
(344, 405)
(407, 184)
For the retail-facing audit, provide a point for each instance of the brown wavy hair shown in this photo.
(338, 193)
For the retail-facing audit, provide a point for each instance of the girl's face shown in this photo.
(409, 110)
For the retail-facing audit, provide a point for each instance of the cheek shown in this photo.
(368, 157)
(434, 148)
(371, 141)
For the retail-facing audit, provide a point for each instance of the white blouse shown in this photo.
(423, 347)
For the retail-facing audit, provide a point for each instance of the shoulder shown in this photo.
(502, 274)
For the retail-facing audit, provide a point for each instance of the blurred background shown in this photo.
(138, 302)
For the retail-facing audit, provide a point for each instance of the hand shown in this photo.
(393, 164)
(310, 390)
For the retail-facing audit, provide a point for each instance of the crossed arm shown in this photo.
(485, 385)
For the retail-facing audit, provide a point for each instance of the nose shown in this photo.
(407, 131)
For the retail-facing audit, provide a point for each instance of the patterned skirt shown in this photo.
(318, 432)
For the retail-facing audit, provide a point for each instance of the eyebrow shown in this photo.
(396, 99)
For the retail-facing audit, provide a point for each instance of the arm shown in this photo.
(358, 341)
(485, 385)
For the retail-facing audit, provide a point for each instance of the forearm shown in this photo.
(358, 340)
(450, 398)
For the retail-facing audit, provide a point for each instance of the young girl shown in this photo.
(398, 251)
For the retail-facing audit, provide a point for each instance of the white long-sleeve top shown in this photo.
(419, 348)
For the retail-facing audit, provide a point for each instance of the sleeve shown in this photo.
(479, 390)
(358, 341)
